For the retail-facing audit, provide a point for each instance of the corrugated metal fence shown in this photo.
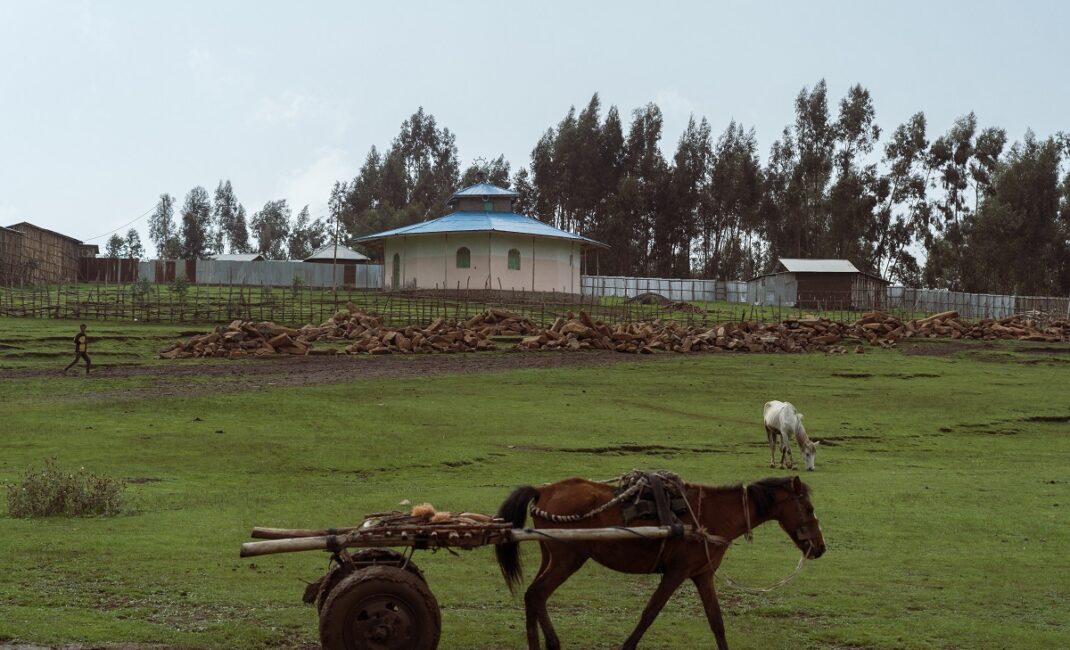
(682, 289)
(969, 305)
(278, 274)
(976, 305)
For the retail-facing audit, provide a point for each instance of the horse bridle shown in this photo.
(809, 529)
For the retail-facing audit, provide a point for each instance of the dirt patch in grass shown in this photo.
(1047, 418)
(834, 441)
(852, 375)
(941, 349)
(212, 376)
(620, 449)
(1065, 349)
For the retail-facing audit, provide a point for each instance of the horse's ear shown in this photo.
(817, 442)
(797, 484)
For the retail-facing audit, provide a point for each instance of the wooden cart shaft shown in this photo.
(418, 536)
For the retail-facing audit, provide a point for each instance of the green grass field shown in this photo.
(942, 486)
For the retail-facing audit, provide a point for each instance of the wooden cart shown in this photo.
(377, 598)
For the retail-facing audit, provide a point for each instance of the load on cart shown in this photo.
(641, 522)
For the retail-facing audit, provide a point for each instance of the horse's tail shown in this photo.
(514, 510)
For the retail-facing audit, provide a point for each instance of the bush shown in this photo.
(51, 491)
(140, 291)
(296, 285)
(179, 287)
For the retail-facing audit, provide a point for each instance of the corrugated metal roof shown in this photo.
(15, 227)
(482, 189)
(817, 266)
(239, 257)
(344, 254)
(508, 222)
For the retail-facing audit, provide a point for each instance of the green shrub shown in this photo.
(179, 287)
(51, 491)
(140, 291)
(296, 285)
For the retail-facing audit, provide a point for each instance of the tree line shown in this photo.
(960, 210)
(214, 225)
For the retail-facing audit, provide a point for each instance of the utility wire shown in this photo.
(143, 215)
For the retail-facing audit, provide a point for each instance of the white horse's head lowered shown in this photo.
(809, 453)
(806, 446)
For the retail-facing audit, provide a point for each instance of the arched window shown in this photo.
(464, 258)
(514, 259)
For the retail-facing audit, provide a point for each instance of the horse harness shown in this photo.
(641, 494)
(661, 497)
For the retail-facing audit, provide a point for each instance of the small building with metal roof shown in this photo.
(483, 244)
(239, 257)
(818, 284)
(328, 254)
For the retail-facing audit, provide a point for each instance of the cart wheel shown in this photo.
(320, 590)
(380, 608)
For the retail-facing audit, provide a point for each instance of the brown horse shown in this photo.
(726, 511)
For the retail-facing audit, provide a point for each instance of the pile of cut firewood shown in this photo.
(365, 333)
(809, 334)
(578, 333)
(239, 339)
(877, 327)
(439, 336)
(368, 334)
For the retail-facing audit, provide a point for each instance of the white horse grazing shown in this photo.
(782, 420)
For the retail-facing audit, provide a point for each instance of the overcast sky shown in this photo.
(106, 105)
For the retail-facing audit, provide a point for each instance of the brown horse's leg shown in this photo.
(558, 564)
(707, 590)
(669, 583)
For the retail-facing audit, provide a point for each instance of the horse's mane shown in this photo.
(763, 492)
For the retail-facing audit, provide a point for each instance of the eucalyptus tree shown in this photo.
(271, 226)
(729, 208)
(228, 216)
(162, 231)
(132, 247)
(196, 224)
(306, 235)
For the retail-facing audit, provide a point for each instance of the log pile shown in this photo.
(880, 328)
(239, 339)
(368, 334)
(364, 333)
(581, 333)
(810, 334)
(439, 336)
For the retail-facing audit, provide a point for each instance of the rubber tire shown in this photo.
(338, 573)
(408, 613)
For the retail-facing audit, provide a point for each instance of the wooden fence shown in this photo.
(147, 302)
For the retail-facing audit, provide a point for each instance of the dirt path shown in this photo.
(213, 376)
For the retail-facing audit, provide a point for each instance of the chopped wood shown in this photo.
(366, 333)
